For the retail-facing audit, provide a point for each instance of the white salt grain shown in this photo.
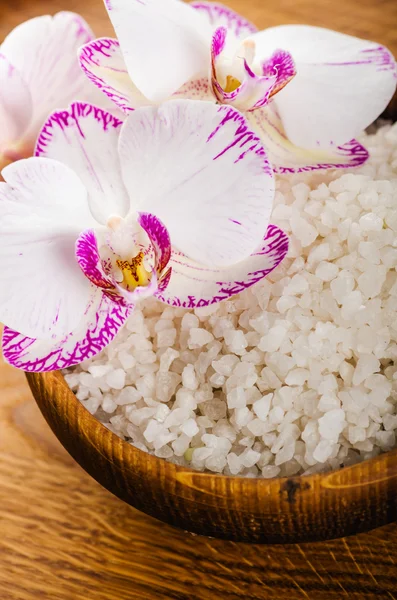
(236, 398)
(323, 451)
(116, 379)
(262, 407)
(166, 338)
(326, 271)
(199, 338)
(366, 366)
(331, 424)
(303, 231)
(270, 471)
(190, 428)
(276, 415)
(189, 321)
(189, 379)
(128, 395)
(235, 340)
(249, 458)
(371, 222)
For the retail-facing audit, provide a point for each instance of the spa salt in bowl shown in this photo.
(295, 375)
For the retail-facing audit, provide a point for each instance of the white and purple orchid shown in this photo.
(39, 73)
(307, 91)
(174, 202)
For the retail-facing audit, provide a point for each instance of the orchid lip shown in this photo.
(134, 272)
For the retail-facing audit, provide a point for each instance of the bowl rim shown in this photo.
(294, 509)
(378, 460)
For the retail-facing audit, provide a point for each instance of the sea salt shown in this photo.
(294, 375)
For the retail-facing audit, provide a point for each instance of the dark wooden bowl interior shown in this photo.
(289, 510)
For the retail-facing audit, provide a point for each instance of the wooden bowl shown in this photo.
(296, 509)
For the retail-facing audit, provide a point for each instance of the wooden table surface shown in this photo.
(62, 537)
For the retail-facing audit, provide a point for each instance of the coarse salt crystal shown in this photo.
(181, 444)
(224, 366)
(276, 415)
(235, 340)
(166, 338)
(214, 409)
(190, 428)
(236, 398)
(390, 422)
(242, 416)
(128, 395)
(189, 379)
(234, 463)
(249, 458)
(386, 439)
(297, 376)
(323, 451)
(371, 222)
(273, 340)
(262, 407)
(332, 424)
(285, 454)
(303, 231)
(116, 379)
(326, 271)
(367, 364)
(296, 286)
(270, 471)
(199, 337)
(98, 370)
(189, 321)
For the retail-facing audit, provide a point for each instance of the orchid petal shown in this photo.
(87, 255)
(44, 52)
(103, 63)
(43, 206)
(163, 283)
(285, 157)
(194, 286)
(342, 85)
(282, 64)
(219, 15)
(159, 239)
(96, 329)
(85, 139)
(164, 43)
(204, 173)
(15, 104)
(197, 89)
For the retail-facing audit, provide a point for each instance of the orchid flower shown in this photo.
(39, 72)
(307, 91)
(86, 225)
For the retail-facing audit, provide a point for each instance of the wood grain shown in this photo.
(63, 537)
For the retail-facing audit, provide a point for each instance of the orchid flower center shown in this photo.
(241, 78)
(126, 253)
(230, 65)
(134, 272)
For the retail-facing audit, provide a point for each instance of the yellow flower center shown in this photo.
(231, 84)
(134, 272)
